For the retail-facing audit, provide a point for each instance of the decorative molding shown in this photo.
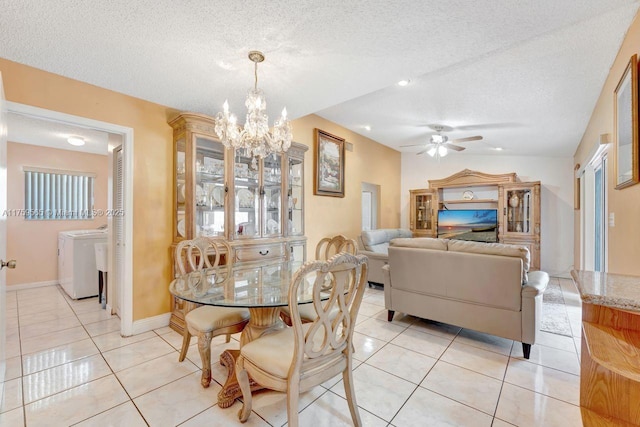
(468, 177)
(31, 285)
(150, 323)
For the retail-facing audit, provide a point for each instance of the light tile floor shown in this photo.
(68, 365)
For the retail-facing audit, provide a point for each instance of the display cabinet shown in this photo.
(258, 208)
(519, 205)
(422, 211)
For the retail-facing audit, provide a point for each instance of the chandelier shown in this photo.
(254, 138)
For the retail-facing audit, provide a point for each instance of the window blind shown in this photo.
(51, 194)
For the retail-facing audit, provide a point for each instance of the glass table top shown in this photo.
(246, 285)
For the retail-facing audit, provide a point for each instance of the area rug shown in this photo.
(554, 312)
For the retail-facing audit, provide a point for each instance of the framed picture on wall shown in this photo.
(328, 167)
(625, 115)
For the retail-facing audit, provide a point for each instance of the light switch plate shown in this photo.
(612, 219)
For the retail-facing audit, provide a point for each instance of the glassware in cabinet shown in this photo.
(272, 195)
(210, 187)
(295, 209)
(246, 185)
(421, 217)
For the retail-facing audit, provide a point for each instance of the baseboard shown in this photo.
(150, 323)
(23, 286)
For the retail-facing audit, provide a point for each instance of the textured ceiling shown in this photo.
(524, 74)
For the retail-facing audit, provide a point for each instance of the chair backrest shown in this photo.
(330, 246)
(327, 340)
(201, 252)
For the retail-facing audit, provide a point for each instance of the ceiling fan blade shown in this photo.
(453, 147)
(467, 139)
(413, 145)
(427, 148)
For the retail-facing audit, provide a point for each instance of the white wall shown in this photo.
(554, 174)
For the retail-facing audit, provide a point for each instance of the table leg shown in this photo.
(263, 320)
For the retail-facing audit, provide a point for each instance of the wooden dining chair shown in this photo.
(296, 359)
(325, 249)
(206, 322)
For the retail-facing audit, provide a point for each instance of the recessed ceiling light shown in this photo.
(367, 127)
(498, 148)
(75, 140)
(403, 82)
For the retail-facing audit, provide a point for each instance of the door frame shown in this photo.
(125, 289)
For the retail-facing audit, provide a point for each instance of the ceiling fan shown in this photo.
(439, 145)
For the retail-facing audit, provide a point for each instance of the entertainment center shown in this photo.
(516, 206)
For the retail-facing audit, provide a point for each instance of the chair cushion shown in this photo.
(273, 352)
(207, 318)
(421, 243)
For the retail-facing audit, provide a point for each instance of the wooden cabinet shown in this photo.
(257, 206)
(422, 213)
(517, 205)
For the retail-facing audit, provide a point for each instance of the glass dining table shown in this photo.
(262, 287)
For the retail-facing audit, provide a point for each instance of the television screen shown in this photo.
(478, 225)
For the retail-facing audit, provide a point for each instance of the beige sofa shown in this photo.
(374, 244)
(479, 286)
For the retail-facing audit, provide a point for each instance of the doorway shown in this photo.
(593, 216)
(370, 197)
(121, 282)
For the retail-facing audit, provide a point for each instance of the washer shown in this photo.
(77, 272)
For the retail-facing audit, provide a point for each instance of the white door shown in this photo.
(3, 235)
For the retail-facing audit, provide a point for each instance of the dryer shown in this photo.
(77, 271)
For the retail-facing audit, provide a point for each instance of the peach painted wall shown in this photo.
(368, 162)
(152, 203)
(30, 241)
(625, 204)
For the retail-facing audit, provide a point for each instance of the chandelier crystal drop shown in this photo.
(254, 138)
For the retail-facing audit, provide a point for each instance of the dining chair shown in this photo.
(206, 322)
(325, 249)
(296, 359)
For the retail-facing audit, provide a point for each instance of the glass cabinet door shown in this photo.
(295, 217)
(423, 211)
(209, 189)
(247, 197)
(180, 188)
(272, 195)
(519, 210)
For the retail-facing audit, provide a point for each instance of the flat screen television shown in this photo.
(478, 225)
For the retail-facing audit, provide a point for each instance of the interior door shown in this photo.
(3, 234)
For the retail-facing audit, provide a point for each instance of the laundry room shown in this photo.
(57, 200)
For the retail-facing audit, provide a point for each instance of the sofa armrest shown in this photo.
(376, 262)
(374, 255)
(536, 285)
(386, 273)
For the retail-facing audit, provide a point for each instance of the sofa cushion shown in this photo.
(421, 243)
(378, 240)
(502, 249)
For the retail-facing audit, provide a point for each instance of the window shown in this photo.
(51, 194)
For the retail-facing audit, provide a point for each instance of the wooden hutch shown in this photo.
(257, 206)
(517, 203)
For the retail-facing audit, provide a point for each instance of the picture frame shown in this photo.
(329, 164)
(625, 115)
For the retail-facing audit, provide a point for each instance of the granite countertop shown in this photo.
(611, 290)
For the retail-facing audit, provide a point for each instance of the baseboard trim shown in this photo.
(150, 323)
(23, 286)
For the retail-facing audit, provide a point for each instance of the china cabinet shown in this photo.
(258, 208)
(517, 205)
(520, 222)
(422, 213)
